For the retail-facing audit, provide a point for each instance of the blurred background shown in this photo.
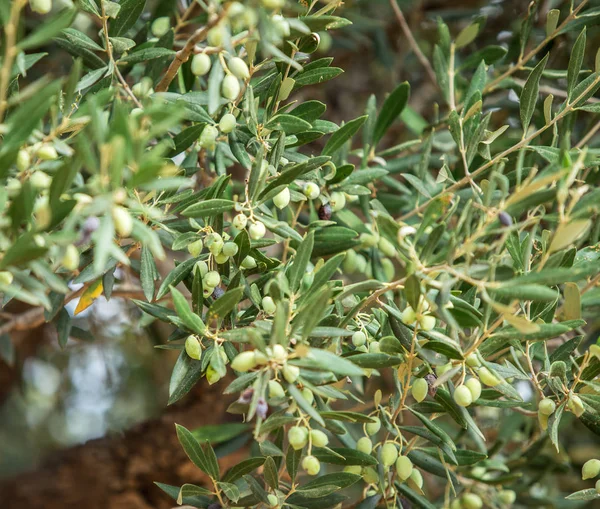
(88, 423)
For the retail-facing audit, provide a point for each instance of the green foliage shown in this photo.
(310, 260)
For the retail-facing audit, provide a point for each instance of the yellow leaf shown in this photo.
(522, 324)
(88, 297)
(567, 233)
(572, 302)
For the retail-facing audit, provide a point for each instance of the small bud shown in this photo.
(6, 278)
(248, 263)
(276, 390)
(404, 467)
(23, 160)
(195, 248)
(373, 427)
(463, 396)
(325, 212)
(576, 405)
(160, 26)
(471, 501)
(70, 260)
(201, 64)
(311, 190)
(487, 377)
(227, 124)
(419, 389)
(359, 338)
(389, 454)
(193, 347)
(257, 230)
(244, 361)
(298, 437)
(290, 373)
(211, 279)
(311, 465)
(282, 199)
(230, 87)
(318, 438)
(230, 249)
(386, 247)
(122, 220)
(239, 222)
(546, 406)
(337, 201)
(208, 138)
(475, 387)
(364, 445)
(238, 68)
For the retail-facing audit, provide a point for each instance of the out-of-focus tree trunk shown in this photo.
(118, 472)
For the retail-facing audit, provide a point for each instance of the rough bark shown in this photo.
(118, 472)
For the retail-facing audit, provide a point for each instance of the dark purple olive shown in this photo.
(325, 212)
(431, 389)
(216, 505)
(262, 408)
(246, 396)
(505, 219)
(217, 292)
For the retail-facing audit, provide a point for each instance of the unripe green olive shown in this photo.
(475, 387)
(386, 247)
(269, 306)
(257, 230)
(543, 420)
(6, 278)
(364, 445)
(123, 221)
(471, 501)
(227, 123)
(238, 68)
(507, 497)
(473, 360)
(463, 396)
(308, 395)
(318, 438)
(273, 4)
(290, 373)
(40, 180)
(215, 36)
(282, 199)
(193, 347)
(230, 87)
(160, 26)
(248, 263)
(311, 465)
(597, 486)
(417, 478)
(389, 271)
(370, 475)
(374, 347)
(419, 389)
(487, 377)
(244, 361)
(456, 504)
(208, 138)
(361, 264)
(211, 279)
(143, 88)
(427, 322)
(239, 221)
(298, 437)
(591, 469)
(349, 264)
(70, 259)
(368, 240)
(202, 266)
(547, 406)
(273, 500)
(359, 338)
(260, 358)
(404, 467)
(353, 469)
(221, 258)
(389, 454)
(311, 190)
(214, 243)
(41, 6)
(195, 248)
(409, 317)
(440, 370)
(23, 160)
(337, 201)
(230, 249)
(576, 405)
(212, 376)
(201, 64)
(276, 390)
(373, 427)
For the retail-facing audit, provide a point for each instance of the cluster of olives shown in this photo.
(422, 315)
(301, 436)
(591, 469)
(276, 356)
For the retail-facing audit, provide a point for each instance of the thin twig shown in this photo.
(412, 42)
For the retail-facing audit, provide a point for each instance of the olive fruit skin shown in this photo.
(122, 220)
(291, 373)
(212, 279)
(201, 64)
(268, 305)
(547, 406)
(475, 387)
(282, 199)
(389, 454)
(244, 361)
(507, 497)
(41, 6)
(386, 247)
(576, 405)
(193, 348)
(208, 137)
(6, 278)
(248, 263)
(325, 212)
(487, 377)
(276, 390)
(591, 469)
(240, 221)
(257, 230)
(471, 501)
(597, 487)
(230, 87)
(227, 123)
(337, 201)
(419, 389)
(373, 427)
(70, 260)
(23, 160)
(318, 438)
(505, 219)
(195, 248)
(273, 500)
(417, 478)
(238, 68)
(463, 396)
(311, 465)
(298, 437)
(359, 338)
(311, 191)
(230, 249)
(160, 26)
(364, 445)
(404, 467)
